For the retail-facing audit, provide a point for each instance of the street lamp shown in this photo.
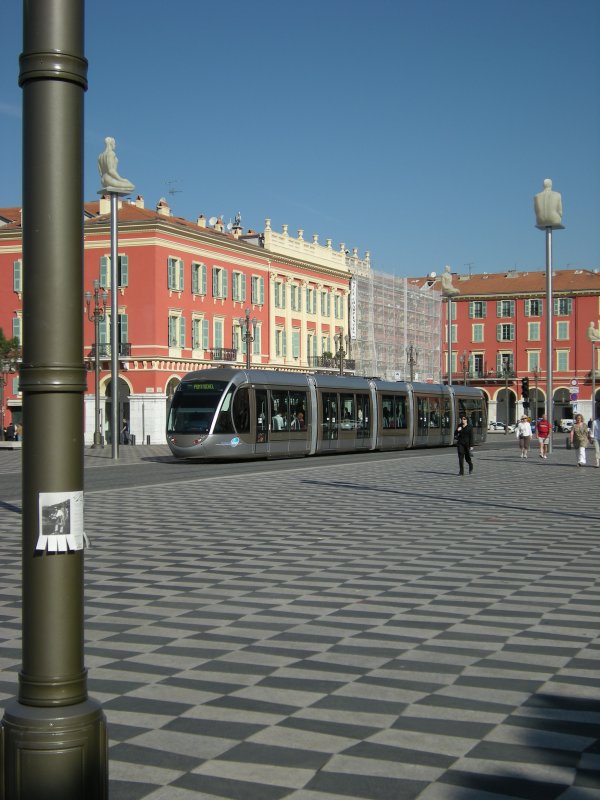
(248, 327)
(339, 339)
(464, 363)
(536, 372)
(7, 366)
(506, 372)
(412, 355)
(95, 315)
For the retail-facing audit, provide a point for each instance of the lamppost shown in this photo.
(464, 363)
(412, 355)
(7, 365)
(339, 339)
(506, 372)
(547, 205)
(96, 316)
(248, 327)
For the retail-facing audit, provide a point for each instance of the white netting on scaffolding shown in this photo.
(397, 320)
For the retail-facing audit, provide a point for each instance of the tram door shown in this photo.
(329, 421)
(261, 421)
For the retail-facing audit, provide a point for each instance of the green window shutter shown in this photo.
(498, 308)
(195, 279)
(16, 329)
(18, 275)
(224, 280)
(123, 328)
(499, 332)
(296, 344)
(205, 328)
(181, 331)
(243, 288)
(171, 273)
(104, 271)
(172, 331)
(215, 281)
(218, 333)
(123, 271)
(256, 342)
(202, 278)
(283, 343)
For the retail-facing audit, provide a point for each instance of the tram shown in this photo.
(227, 413)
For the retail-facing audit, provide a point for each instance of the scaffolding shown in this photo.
(393, 315)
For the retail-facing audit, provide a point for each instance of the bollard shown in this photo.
(147, 439)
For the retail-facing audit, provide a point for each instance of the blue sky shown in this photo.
(416, 129)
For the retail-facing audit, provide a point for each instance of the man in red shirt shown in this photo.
(542, 430)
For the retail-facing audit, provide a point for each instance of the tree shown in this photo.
(9, 348)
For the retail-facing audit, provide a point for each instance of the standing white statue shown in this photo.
(548, 207)
(446, 280)
(109, 175)
(593, 334)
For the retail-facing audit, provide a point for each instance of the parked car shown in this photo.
(566, 425)
(499, 426)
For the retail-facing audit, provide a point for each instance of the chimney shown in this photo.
(104, 205)
(163, 207)
(139, 201)
(201, 221)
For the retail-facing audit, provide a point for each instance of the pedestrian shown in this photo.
(543, 433)
(580, 436)
(9, 433)
(596, 437)
(463, 437)
(523, 434)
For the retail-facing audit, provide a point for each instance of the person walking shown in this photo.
(542, 430)
(464, 441)
(580, 436)
(523, 434)
(595, 434)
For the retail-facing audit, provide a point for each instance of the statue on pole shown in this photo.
(448, 290)
(593, 333)
(109, 175)
(548, 207)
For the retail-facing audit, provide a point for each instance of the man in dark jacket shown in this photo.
(464, 442)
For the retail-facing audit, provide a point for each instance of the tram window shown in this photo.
(330, 419)
(399, 411)
(446, 415)
(241, 410)
(262, 421)
(298, 404)
(224, 423)
(280, 420)
(387, 410)
(348, 412)
(422, 415)
(362, 415)
(434, 413)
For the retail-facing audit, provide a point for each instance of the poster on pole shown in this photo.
(60, 522)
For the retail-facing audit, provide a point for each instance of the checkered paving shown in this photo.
(384, 630)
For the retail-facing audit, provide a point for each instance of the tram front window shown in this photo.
(193, 407)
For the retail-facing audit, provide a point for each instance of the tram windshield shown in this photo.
(194, 405)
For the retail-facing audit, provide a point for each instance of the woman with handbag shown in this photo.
(523, 433)
(580, 436)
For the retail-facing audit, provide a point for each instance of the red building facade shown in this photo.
(182, 295)
(499, 339)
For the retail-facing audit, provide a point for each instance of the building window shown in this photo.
(17, 329)
(562, 306)
(198, 278)
(296, 343)
(219, 284)
(338, 306)
(325, 304)
(17, 275)
(504, 361)
(562, 331)
(218, 332)
(122, 272)
(505, 308)
(280, 343)
(562, 360)
(175, 274)
(477, 332)
(279, 294)
(238, 286)
(176, 331)
(256, 348)
(534, 307)
(533, 331)
(199, 333)
(477, 362)
(311, 300)
(257, 286)
(478, 309)
(533, 360)
(454, 333)
(505, 332)
(295, 297)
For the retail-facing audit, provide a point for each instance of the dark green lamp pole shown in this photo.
(54, 739)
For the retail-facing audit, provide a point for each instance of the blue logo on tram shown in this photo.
(235, 441)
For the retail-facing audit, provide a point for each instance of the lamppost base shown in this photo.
(98, 440)
(58, 753)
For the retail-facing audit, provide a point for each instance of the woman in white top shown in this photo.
(523, 433)
(596, 439)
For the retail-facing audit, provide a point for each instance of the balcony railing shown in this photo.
(330, 362)
(104, 350)
(223, 354)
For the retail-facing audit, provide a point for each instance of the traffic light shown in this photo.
(525, 388)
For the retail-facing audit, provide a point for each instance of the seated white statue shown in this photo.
(593, 333)
(446, 280)
(107, 167)
(548, 207)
